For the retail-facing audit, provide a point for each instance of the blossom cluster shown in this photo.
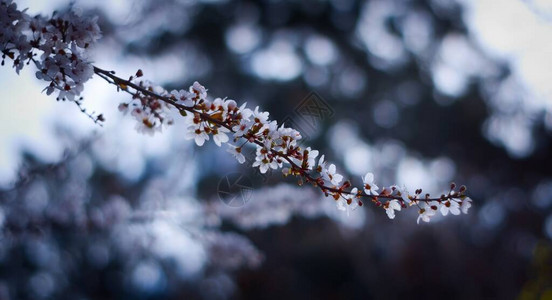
(276, 147)
(61, 41)
(150, 112)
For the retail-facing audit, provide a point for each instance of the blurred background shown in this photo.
(421, 93)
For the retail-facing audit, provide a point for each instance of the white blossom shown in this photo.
(426, 212)
(219, 136)
(347, 202)
(465, 205)
(264, 161)
(199, 91)
(392, 206)
(450, 206)
(242, 128)
(197, 132)
(331, 175)
(260, 116)
(370, 187)
(311, 154)
(183, 97)
(237, 152)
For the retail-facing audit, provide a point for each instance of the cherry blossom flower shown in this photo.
(199, 91)
(183, 97)
(147, 126)
(347, 203)
(219, 135)
(197, 132)
(237, 152)
(242, 128)
(450, 206)
(260, 116)
(465, 205)
(390, 207)
(331, 175)
(370, 187)
(310, 156)
(426, 212)
(403, 193)
(321, 164)
(264, 161)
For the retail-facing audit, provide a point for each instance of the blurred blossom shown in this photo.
(177, 246)
(357, 155)
(443, 168)
(342, 134)
(231, 251)
(284, 202)
(358, 159)
(417, 30)
(449, 82)
(385, 47)
(514, 109)
(242, 38)
(514, 132)
(390, 160)
(278, 61)
(389, 153)
(414, 174)
(522, 45)
(457, 63)
(320, 50)
(143, 19)
(520, 42)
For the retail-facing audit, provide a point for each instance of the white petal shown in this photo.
(394, 204)
(337, 178)
(200, 140)
(454, 210)
(340, 205)
(368, 178)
